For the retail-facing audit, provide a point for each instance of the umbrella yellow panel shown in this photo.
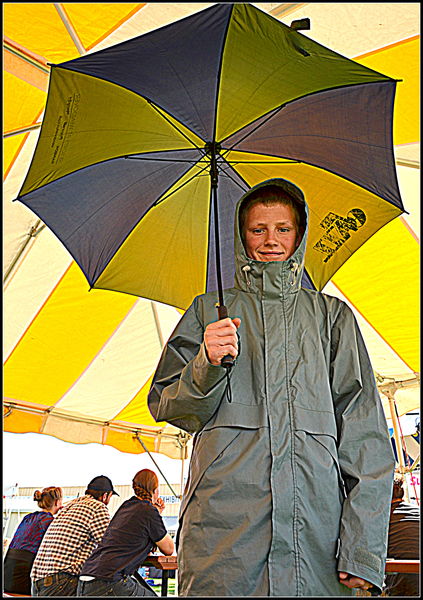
(329, 243)
(286, 64)
(401, 61)
(172, 265)
(382, 281)
(69, 141)
(62, 340)
(38, 26)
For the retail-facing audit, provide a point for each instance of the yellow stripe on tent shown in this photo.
(401, 61)
(124, 364)
(23, 102)
(136, 410)
(39, 27)
(68, 332)
(11, 148)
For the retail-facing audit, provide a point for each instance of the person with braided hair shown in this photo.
(136, 528)
(27, 539)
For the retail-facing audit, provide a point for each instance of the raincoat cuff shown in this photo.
(205, 375)
(360, 570)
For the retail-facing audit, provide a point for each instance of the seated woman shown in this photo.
(133, 532)
(27, 539)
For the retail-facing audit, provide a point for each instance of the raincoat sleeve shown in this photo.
(365, 454)
(186, 389)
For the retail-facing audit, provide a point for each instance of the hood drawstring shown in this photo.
(246, 270)
(294, 268)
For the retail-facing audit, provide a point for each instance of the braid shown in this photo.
(141, 492)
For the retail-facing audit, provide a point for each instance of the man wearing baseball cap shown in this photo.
(70, 539)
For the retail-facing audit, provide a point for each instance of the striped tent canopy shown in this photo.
(78, 363)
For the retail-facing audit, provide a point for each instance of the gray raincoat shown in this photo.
(291, 471)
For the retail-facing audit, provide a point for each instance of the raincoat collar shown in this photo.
(275, 278)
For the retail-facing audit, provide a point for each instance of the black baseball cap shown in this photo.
(101, 484)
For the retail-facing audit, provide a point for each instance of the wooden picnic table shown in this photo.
(165, 564)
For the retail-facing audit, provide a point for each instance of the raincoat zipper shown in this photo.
(291, 282)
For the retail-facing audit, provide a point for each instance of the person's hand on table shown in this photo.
(352, 581)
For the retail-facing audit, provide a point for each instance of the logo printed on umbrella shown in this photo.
(64, 128)
(338, 230)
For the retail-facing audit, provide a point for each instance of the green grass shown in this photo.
(170, 586)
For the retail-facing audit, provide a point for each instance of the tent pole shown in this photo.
(70, 28)
(397, 436)
(160, 471)
(182, 471)
(34, 231)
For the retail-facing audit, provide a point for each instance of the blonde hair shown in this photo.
(144, 483)
(47, 497)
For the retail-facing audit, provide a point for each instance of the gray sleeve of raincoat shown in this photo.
(186, 389)
(365, 453)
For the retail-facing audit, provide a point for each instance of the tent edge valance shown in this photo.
(166, 439)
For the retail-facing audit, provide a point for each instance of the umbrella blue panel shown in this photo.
(332, 130)
(176, 66)
(230, 191)
(80, 207)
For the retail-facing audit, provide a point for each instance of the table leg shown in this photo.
(165, 578)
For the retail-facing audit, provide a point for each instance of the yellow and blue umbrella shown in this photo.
(147, 145)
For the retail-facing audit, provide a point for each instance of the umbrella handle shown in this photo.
(227, 361)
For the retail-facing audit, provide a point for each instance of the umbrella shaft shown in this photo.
(217, 243)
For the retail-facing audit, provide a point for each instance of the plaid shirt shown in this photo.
(70, 539)
(31, 530)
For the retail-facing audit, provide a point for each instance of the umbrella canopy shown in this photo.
(131, 134)
(46, 306)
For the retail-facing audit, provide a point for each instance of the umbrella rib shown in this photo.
(219, 73)
(225, 173)
(160, 200)
(274, 111)
(270, 115)
(171, 160)
(173, 125)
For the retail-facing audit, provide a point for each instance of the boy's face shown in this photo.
(271, 232)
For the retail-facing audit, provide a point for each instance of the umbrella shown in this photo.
(146, 146)
(48, 314)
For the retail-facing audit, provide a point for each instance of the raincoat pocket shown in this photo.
(320, 427)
